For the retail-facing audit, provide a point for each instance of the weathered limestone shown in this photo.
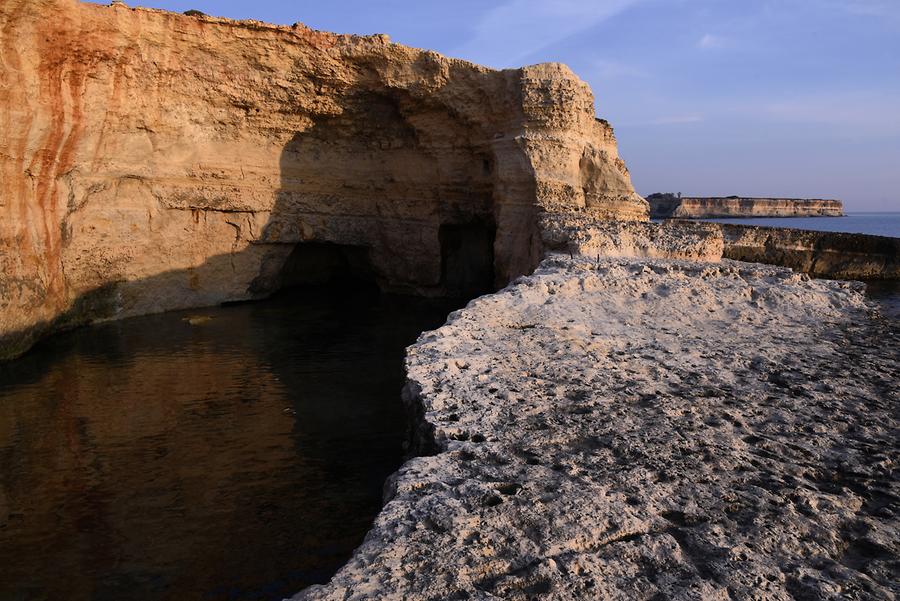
(821, 254)
(154, 161)
(664, 206)
(646, 429)
(581, 235)
(824, 254)
(608, 428)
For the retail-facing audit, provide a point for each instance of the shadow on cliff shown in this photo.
(400, 231)
(446, 252)
(388, 192)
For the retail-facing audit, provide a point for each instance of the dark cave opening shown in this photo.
(467, 258)
(329, 265)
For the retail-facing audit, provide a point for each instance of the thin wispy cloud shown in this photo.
(885, 11)
(857, 112)
(710, 41)
(874, 8)
(609, 69)
(508, 34)
(669, 120)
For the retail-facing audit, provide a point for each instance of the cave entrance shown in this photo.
(467, 258)
(327, 265)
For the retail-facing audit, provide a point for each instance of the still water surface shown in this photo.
(228, 453)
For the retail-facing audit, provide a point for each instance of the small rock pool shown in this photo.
(227, 453)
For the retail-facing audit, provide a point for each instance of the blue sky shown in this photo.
(708, 97)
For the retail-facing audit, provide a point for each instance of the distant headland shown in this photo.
(668, 205)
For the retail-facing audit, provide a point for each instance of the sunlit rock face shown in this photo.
(665, 206)
(822, 254)
(153, 161)
(620, 428)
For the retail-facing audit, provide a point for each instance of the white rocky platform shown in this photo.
(647, 429)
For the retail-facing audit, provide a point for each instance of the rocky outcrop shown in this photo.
(154, 161)
(822, 254)
(646, 429)
(665, 206)
(581, 235)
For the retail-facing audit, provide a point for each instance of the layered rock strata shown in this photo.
(823, 254)
(646, 429)
(581, 235)
(664, 206)
(154, 161)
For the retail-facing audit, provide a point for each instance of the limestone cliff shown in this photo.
(664, 206)
(153, 161)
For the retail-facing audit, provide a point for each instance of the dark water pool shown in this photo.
(229, 453)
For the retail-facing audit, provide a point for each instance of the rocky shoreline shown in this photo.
(668, 426)
(646, 429)
(832, 255)
(836, 255)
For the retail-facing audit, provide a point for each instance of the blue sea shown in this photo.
(878, 224)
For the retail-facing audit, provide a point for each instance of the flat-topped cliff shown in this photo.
(153, 161)
(664, 206)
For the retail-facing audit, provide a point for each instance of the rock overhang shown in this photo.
(163, 161)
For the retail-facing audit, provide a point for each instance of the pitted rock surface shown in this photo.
(582, 235)
(623, 429)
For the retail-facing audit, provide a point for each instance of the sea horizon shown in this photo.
(875, 223)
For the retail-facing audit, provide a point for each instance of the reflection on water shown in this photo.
(230, 453)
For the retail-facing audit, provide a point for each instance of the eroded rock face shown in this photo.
(153, 161)
(582, 235)
(833, 255)
(646, 429)
(824, 254)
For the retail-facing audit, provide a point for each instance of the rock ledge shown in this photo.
(646, 429)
